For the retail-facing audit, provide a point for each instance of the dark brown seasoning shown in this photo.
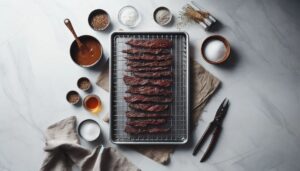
(135, 51)
(149, 64)
(149, 107)
(147, 122)
(143, 99)
(146, 69)
(135, 114)
(149, 90)
(132, 130)
(150, 57)
(154, 43)
(156, 74)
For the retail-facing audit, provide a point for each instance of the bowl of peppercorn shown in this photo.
(99, 20)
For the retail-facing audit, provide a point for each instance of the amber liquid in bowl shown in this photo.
(92, 103)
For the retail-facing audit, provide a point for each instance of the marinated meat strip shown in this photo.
(133, 81)
(146, 69)
(156, 74)
(149, 90)
(145, 123)
(149, 107)
(150, 64)
(143, 99)
(135, 51)
(133, 114)
(132, 130)
(155, 43)
(149, 57)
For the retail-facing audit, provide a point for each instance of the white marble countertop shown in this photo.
(261, 130)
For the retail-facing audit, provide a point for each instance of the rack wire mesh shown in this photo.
(179, 109)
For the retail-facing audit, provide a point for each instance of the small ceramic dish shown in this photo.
(73, 97)
(89, 130)
(220, 38)
(168, 18)
(98, 13)
(84, 84)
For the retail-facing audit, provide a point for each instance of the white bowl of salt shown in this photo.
(215, 49)
(89, 130)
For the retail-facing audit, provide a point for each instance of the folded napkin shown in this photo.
(203, 86)
(103, 79)
(63, 151)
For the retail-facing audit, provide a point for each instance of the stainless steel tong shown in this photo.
(214, 128)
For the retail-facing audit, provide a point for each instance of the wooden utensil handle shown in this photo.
(70, 27)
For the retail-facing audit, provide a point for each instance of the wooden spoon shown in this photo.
(79, 43)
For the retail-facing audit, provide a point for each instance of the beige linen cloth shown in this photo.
(63, 151)
(203, 85)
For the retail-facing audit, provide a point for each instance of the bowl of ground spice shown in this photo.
(99, 20)
(162, 16)
(84, 83)
(73, 97)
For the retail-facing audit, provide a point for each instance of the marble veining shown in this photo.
(262, 80)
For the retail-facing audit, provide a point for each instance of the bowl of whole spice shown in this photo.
(99, 20)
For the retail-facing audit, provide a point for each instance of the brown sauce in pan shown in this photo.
(87, 55)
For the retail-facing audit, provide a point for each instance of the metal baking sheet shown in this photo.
(179, 108)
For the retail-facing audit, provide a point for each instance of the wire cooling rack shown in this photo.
(179, 108)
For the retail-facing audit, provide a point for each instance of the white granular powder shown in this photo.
(215, 50)
(128, 16)
(89, 130)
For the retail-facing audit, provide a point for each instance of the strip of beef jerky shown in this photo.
(146, 69)
(149, 107)
(149, 64)
(143, 99)
(149, 57)
(156, 74)
(135, 51)
(154, 43)
(132, 130)
(149, 90)
(134, 114)
(133, 81)
(147, 122)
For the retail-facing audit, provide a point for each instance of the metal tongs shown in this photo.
(213, 128)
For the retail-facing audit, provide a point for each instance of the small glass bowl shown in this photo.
(122, 10)
(96, 108)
